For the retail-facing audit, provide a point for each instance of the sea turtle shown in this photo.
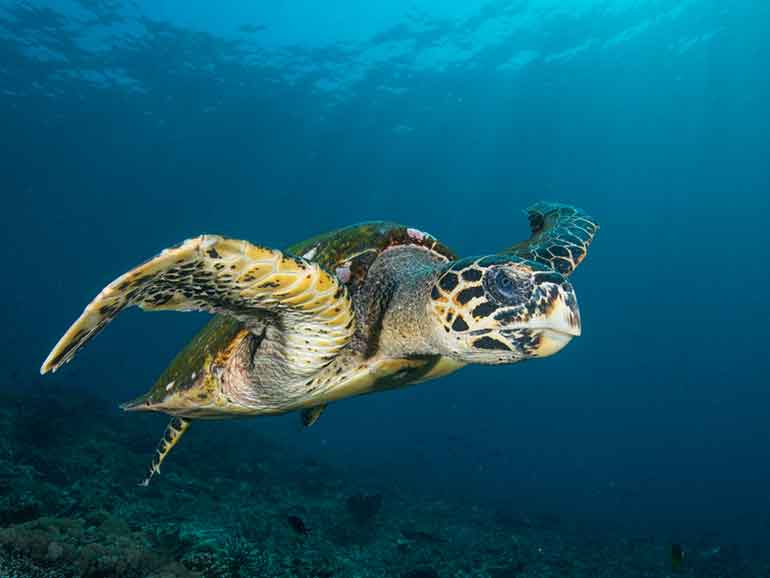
(362, 309)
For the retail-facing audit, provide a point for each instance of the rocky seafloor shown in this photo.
(70, 506)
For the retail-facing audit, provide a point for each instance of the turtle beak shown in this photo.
(561, 324)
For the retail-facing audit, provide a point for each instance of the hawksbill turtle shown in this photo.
(362, 309)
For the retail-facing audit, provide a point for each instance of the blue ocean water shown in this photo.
(126, 127)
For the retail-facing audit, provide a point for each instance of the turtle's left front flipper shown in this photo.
(560, 237)
(234, 278)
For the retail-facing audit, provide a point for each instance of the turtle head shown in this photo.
(502, 309)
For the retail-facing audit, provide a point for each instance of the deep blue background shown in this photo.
(657, 418)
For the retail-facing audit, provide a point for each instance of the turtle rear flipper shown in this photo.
(241, 280)
(174, 431)
(310, 415)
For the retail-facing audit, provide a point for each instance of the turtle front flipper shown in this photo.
(235, 278)
(560, 237)
(174, 431)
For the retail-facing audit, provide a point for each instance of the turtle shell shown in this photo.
(347, 252)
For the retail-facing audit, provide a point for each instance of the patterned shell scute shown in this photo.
(349, 252)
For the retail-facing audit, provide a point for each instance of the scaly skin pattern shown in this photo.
(297, 330)
(174, 432)
(477, 312)
(560, 237)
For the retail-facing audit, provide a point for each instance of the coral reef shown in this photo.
(70, 507)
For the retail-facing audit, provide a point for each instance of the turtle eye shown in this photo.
(507, 288)
(504, 284)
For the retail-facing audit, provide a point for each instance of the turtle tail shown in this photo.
(173, 433)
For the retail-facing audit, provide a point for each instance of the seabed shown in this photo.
(69, 506)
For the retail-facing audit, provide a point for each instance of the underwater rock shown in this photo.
(18, 509)
(512, 571)
(239, 559)
(297, 525)
(65, 547)
(421, 536)
(171, 540)
(364, 508)
(717, 561)
(424, 572)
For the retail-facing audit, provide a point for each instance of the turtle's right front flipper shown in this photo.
(235, 278)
